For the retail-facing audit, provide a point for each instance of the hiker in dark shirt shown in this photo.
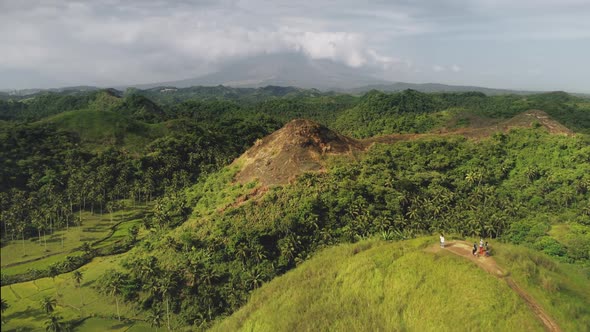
(474, 249)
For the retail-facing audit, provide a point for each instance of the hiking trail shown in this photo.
(463, 249)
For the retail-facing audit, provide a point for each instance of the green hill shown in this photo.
(381, 286)
(99, 129)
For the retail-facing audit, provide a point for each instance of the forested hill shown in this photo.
(210, 104)
(404, 165)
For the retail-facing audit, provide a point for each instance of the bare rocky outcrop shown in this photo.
(300, 146)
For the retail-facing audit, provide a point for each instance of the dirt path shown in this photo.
(463, 249)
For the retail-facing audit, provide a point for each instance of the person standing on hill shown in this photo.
(442, 240)
(474, 251)
(481, 246)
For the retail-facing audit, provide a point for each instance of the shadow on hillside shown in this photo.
(88, 283)
(54, 239)
(120, 326)
(36, 314)
(93, 230)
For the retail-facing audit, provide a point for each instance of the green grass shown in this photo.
(100, 325)
(562, 289)
(217, 191)
(94, 228)
(575, 237)
(72, 302)
(379, 286)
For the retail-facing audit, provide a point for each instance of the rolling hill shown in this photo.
(403, 286)
(303, 145)
(100, 129)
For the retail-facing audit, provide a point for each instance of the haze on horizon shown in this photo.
(528, 44)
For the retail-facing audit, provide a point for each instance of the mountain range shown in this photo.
(294, 70)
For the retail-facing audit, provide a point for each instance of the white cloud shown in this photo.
(77, 41)
(340, 46)
(438, 68)
(128, 41)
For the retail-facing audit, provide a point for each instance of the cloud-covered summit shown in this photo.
(114, 42)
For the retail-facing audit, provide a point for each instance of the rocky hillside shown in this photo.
(300, 146)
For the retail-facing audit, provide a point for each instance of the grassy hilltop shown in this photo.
(379, 286)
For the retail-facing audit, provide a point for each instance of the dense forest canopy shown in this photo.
(64, 153)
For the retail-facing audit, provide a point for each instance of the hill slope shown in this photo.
(302, 145)
(377, 286)
(99, 129)
(296, 148)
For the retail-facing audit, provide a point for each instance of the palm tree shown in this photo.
(53, 271)
(111, 284)
(69, 263)
(254, 278)
(3, 306)
(54, 324)
(86, 248)
(155, 318)
(114, 288)
(77, 276)
(167, 286)
(48, 304)
(145, 268)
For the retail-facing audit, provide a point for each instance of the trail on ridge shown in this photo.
(463, 249)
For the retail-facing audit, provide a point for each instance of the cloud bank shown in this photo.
(113, 42)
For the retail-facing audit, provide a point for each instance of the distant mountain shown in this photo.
(280, 70)
(291, 70)
(432, 87)
(69, 89)
(297, 70)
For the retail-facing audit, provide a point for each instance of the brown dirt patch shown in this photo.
(480, 130)
(528, 118)
(252, 195)
(300, 146)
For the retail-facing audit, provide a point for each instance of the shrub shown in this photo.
(550, 246)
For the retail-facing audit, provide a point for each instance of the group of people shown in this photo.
(484, 249)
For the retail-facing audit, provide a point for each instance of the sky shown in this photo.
(516, 44)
